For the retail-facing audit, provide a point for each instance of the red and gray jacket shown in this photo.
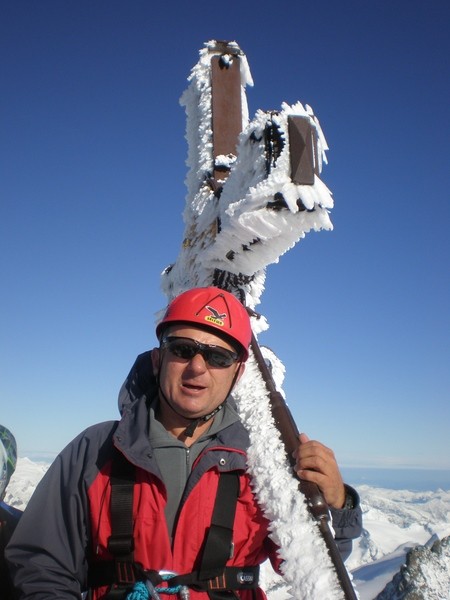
(64, 532)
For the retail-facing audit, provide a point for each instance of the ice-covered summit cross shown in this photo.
(253, 191)
(253, 188)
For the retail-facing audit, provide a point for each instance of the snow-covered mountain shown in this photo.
(405, 535)
(425, 574)
(24, 481)
(395, 521)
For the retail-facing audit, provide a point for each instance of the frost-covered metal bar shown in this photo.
(303, 150)
(226, 106)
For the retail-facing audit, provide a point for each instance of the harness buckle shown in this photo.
(124, 572)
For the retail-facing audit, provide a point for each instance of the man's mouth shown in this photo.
(191, 386)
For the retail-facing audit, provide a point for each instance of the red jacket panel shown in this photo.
(152, 543)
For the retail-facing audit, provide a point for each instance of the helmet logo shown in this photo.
(215, 317)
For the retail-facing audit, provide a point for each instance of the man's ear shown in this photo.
(155, 360)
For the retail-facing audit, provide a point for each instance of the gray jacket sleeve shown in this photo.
(47, 553)
(347, 523)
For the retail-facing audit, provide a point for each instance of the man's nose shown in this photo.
(198, 363)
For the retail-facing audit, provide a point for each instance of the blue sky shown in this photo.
(92, 190)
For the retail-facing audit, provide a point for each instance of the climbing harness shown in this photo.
(128, 580)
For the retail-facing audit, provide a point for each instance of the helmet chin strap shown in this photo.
(195, 421)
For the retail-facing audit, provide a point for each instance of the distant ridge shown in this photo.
(415, 480)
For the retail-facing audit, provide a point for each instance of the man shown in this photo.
(9, 516)
(166, 488)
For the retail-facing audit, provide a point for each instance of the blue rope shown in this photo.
(141, 592)
(168, 590)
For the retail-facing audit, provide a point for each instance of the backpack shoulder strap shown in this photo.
(123, 476)
(121, 541)
(119, 573)
(219, 540)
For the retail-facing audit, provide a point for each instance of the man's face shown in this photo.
(192, 387)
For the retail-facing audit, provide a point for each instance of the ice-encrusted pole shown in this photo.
(314, 498)
(249, 200)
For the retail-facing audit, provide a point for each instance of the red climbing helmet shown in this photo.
(211, 308)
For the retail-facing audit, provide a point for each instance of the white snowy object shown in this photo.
(240, 232)
(259, 215)
(24, 482)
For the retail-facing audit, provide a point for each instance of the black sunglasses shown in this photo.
(187, 348)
